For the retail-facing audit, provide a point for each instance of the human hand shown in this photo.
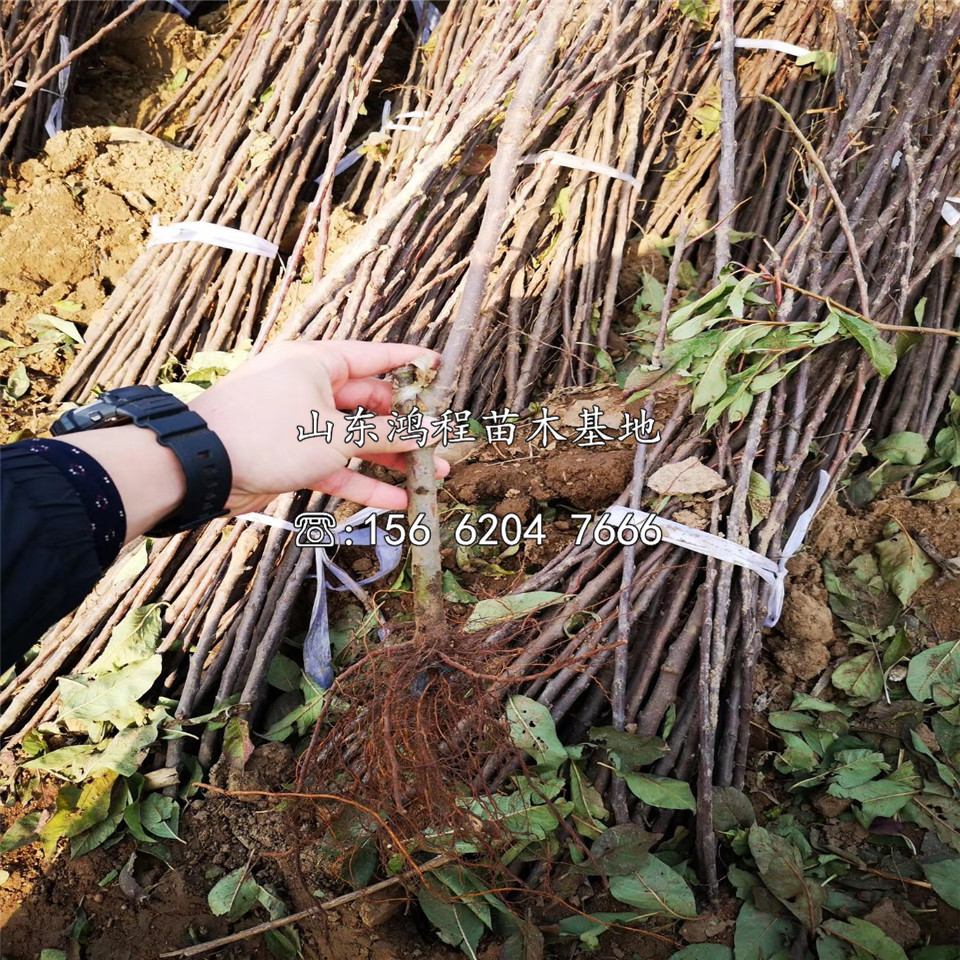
(255, 411)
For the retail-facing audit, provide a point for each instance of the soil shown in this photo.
(79, 216)
(804, 642)
(139, 69)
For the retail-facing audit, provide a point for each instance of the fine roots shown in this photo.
(396, 760)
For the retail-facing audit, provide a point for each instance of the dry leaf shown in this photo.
(687, 476)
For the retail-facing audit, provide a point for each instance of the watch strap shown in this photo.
(200, 452)
(205, 464)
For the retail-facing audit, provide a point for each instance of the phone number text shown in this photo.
(486, 530)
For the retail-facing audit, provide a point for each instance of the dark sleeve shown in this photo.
(62, 526)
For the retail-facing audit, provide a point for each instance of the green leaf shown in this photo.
(179, 78)
(944, 877)
(110, 696)
(284, 942)
(867, 940)
(20, 833)
(497, 610)
(858, 766)
(18, 383)
(619, 851)
(237, 745)
(274, 906)
(692, 318)
(629, 751)
(532, 730)
(605, 363)
(781, 869)
(934, 674)
(759, 498)
(135, 638)
(453, 592)
(590, 927)
(71, 818)
(588, 809)
(233, 895)
(823, 61)
(903, 565)
(362, 865)
(654, 889)
(456, 924)
(703, 951)
(80, 761)
(661, 791)
(160, 815)
(791, 720)
(907, 448)
(947, 444)
(701, 12)
(283, 673)
(732, 809)
(131, 817)
(797, 755)
(67, 306)
(300, 718)
(858, 595)
(759, 935)
(712, 383)
(96, 835)
(46, 321)
(939, 492)
(881, 353)
(861, 677)
(878, 798)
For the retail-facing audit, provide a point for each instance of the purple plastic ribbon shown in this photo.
(317, 652)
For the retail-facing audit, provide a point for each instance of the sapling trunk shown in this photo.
(426, 571)
(425, 568)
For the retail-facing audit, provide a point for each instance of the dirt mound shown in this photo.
(138, 69)
(75, 220)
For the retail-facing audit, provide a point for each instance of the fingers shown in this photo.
(397, 461)
(357, 488)
(353, 359)
(370, 393)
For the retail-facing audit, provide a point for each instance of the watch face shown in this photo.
(91, 417)
(98, 419)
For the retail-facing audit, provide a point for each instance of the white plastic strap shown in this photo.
(349, 159)
(952, 215)
(317, 654)
(778, 46)
(212, 233)
(578, 163)
(727, 551)
(949, 212)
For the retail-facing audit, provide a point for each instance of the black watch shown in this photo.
(202, 456)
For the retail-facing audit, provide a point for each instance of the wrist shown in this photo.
(147, 475)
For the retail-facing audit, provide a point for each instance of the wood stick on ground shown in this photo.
(341, 901)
